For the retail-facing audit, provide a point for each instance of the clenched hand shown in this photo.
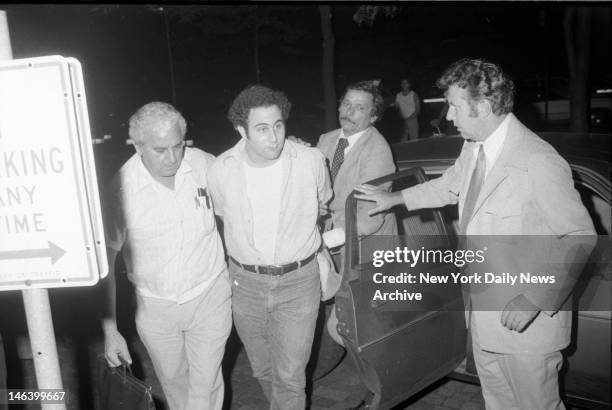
(115, 349)
(519, 313)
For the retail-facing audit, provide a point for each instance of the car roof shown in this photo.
(589, 150)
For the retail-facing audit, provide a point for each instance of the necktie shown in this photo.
(338, 157)
(473, 191)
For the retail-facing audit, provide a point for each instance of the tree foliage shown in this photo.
(366, 14)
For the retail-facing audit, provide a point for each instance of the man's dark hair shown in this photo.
(482, 80)
(256, 96)
(371, 87)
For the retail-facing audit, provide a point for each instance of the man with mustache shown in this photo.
(159, 215)
(357, 153)
(269, 193)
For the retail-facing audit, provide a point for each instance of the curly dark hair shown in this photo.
(371, 87)
(255, 96)
(483, 80)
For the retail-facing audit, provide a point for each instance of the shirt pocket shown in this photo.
(204, 209)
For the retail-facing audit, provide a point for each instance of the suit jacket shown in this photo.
(528, 192)
(368, 159)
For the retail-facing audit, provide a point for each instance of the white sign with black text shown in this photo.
(51, 231)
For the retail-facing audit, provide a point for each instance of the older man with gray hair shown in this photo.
(159, 215)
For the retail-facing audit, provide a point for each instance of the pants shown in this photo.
(411, 129)
(275, 317)
(186, 344)
(519, 381)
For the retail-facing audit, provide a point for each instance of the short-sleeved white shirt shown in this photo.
(169, 240)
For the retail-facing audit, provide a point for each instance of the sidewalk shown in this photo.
(338, 390)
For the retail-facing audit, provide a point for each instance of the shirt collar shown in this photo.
(494, 142)
(352, 140)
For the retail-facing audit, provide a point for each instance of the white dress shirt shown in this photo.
(169, 239)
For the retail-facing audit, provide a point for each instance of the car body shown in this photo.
(399, 352)
(549, 105)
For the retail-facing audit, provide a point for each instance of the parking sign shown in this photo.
(50, 220)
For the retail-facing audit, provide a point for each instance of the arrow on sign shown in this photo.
(53, 251)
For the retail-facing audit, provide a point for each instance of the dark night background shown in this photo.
(129, 52)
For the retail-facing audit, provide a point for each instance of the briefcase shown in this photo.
(119, 389)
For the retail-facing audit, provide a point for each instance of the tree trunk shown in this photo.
(170, 58)
(327, 68)
(577, 27)
(257, 67)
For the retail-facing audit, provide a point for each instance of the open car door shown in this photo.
(399, 347)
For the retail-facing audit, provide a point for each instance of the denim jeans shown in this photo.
(275, 317)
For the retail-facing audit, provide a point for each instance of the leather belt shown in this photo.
(274, 270)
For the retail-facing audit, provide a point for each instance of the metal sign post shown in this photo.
(50, 219)
(42, 341)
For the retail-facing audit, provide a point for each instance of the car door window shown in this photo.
(415, 229)
(400, 345)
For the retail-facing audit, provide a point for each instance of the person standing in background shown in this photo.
(409, 106)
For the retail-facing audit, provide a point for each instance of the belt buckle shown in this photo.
(278, 270)
(267, 270)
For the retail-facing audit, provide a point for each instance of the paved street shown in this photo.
(76, 321)
(80, 344)
(340, 389)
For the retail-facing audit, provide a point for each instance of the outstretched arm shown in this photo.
(377, 161)
(382, 198)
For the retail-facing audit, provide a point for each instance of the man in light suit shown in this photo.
(507, 181)
(357, 153)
